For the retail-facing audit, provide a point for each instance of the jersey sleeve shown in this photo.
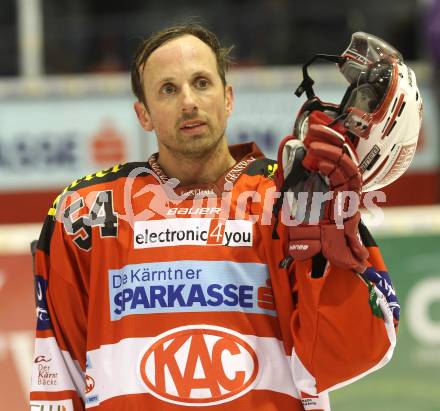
(343, 326)
(58, 369)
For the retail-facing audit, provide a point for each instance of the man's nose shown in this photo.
(189, 103)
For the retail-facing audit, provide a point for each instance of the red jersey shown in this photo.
(155, 296)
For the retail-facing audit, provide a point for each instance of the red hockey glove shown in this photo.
(330, 154)
(330, 226)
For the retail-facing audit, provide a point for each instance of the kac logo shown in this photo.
(199, 365)
(90, 384)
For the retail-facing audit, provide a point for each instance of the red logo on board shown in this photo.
(108, 146)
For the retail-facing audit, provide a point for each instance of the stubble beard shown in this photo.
(197, 146)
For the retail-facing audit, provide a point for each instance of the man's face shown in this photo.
(188, 105)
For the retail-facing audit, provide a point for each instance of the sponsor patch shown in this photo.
(192, 231)
(90, 384)
(91, 397)
(42, 358)
(53, 370)
(367, 163)
(46, 375)
(199, 365)
(43, 319)
(374, 301)
(60, 405)
(315, 402)
(190, 286)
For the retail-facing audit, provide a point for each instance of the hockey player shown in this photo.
(160, 286)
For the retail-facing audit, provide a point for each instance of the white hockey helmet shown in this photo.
(381, 109)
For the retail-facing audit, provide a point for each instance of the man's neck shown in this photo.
(189, 170)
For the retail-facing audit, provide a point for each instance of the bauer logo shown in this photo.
(199, 366)
(192, 231)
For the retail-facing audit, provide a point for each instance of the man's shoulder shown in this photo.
(262, 167)
(112, 174)
(252, 161)
(106, 179)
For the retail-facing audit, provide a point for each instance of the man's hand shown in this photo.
(332, 166)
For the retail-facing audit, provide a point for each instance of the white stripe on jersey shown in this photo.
(115, 367)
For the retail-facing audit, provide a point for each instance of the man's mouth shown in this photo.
(192, 124)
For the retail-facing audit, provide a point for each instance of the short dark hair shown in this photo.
(157, 39)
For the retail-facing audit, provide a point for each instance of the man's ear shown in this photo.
(143, 116)
(229, 97)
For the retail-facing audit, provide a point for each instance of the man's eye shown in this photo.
(168, 89)
(202, 83)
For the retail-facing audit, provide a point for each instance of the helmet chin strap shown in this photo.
(314, 103)
(307, 83)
